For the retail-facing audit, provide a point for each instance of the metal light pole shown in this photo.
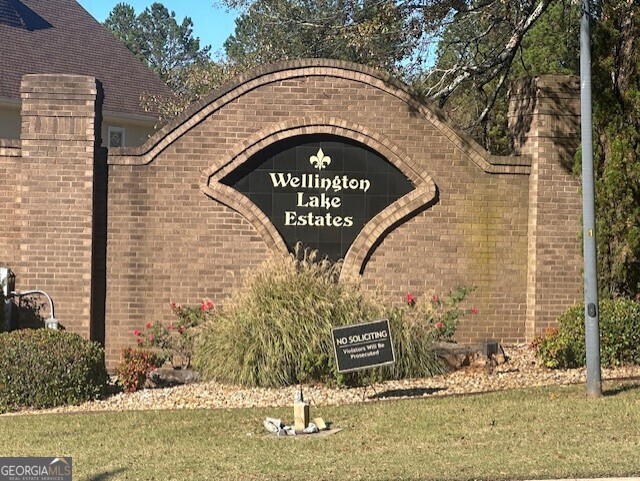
(592, 333)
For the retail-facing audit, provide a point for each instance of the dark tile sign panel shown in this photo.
(319, 189)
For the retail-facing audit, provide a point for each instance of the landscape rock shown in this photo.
(518, 371)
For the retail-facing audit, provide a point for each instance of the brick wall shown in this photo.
(119, 237)
(54, 212)
(170, 242)
(9, 198)
(545, 121)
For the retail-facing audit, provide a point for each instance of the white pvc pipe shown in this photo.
(26, 293)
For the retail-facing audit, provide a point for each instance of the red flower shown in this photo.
(206, 305)
(171, 326)
(410, 299)
(439, 325)
(436, 298)
(139, 341)
(148, 325)
(172, 305)
(151, 337)
(136, 332)
(474, 310)
(181, 329)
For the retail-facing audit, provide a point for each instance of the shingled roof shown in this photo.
(59, 36)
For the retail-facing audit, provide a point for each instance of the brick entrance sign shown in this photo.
(335, 154)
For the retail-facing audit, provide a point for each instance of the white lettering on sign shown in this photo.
(313, 220)
(369, 336)
(322, 201)
(316, 181)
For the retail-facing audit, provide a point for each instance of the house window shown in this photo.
(116, 136)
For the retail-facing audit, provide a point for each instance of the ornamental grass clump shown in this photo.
(276, 331)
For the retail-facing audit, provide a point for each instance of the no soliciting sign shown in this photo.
(361, 346)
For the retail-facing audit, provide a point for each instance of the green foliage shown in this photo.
(415, 327)
(616, 88)
(175, 342)
(440, 314)
(277, 331)
(549, 47)
(45, 368)
(135, 366)
(123, 24)
(191, 83)
(156, 38)
(373, 33)
(564, 347)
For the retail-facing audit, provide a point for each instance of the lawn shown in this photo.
(524, 434)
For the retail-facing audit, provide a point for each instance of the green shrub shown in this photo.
(619, 321)
(45, 368)
(135, 366)
(277, 330)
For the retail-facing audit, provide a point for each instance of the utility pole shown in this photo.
(591, 308)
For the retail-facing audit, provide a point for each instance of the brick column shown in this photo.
(9, 175)
(60, 135)
(544, 119)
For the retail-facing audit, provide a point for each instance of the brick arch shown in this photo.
(373, 232)
(265, 75)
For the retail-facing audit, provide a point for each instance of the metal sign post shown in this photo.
(592, 333)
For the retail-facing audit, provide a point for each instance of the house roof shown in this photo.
(59, 36)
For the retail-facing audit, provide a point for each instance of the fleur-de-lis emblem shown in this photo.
(320, 161)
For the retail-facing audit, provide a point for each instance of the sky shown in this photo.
(211, 24)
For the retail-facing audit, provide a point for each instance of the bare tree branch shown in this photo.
(452, 78)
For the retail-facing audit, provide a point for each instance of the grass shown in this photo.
(524, 434)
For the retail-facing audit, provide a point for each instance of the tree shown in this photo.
(195, 81)
(406, 29)
(155, 37)
(123, 23)
(479, 105)
(616, 87)
(371, 32)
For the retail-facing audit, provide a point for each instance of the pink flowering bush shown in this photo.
(416, 326)
(436, 317)
(174, 342)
